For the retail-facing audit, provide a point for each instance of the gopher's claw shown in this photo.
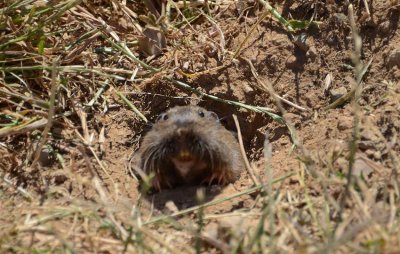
(218, 175)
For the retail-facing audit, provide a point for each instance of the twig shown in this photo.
(257, 109)
(277, 15)
(83, 151)
(37, 102)
(261, 18)
(218, 244)
(124, 49)
(102, 166)
(246, 161)
(23, 128)
(356, 121)
(266, 88)
(270, 205)
(343, 99)
(367, 8)
(98, 94)
(83, 117)
(133, 107)
(340, 101)
(71, 69)
(21, 190)
(52, 108)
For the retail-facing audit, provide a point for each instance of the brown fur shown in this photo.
(213, 151)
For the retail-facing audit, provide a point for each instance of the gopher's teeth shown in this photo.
(184, 155)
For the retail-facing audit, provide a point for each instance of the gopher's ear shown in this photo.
(214, 115)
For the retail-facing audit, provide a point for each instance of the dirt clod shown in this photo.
(393, 59)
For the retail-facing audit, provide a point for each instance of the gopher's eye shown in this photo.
(163, 117)
(201, 113)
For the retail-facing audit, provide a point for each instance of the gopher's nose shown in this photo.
(182, 132)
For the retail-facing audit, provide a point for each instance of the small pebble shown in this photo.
(301, 42)
(361, 168)
(345, 123)
(393, 59)
(46, 158)
(170, 205)
(185, 66)
(337, 93)
(247, 88)
(377, 155)
(290, 63)
(384, 27)
(312, 53)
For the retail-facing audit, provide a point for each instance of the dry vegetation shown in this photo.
(315, 86)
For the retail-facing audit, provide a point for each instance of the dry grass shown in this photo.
(63, 62)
